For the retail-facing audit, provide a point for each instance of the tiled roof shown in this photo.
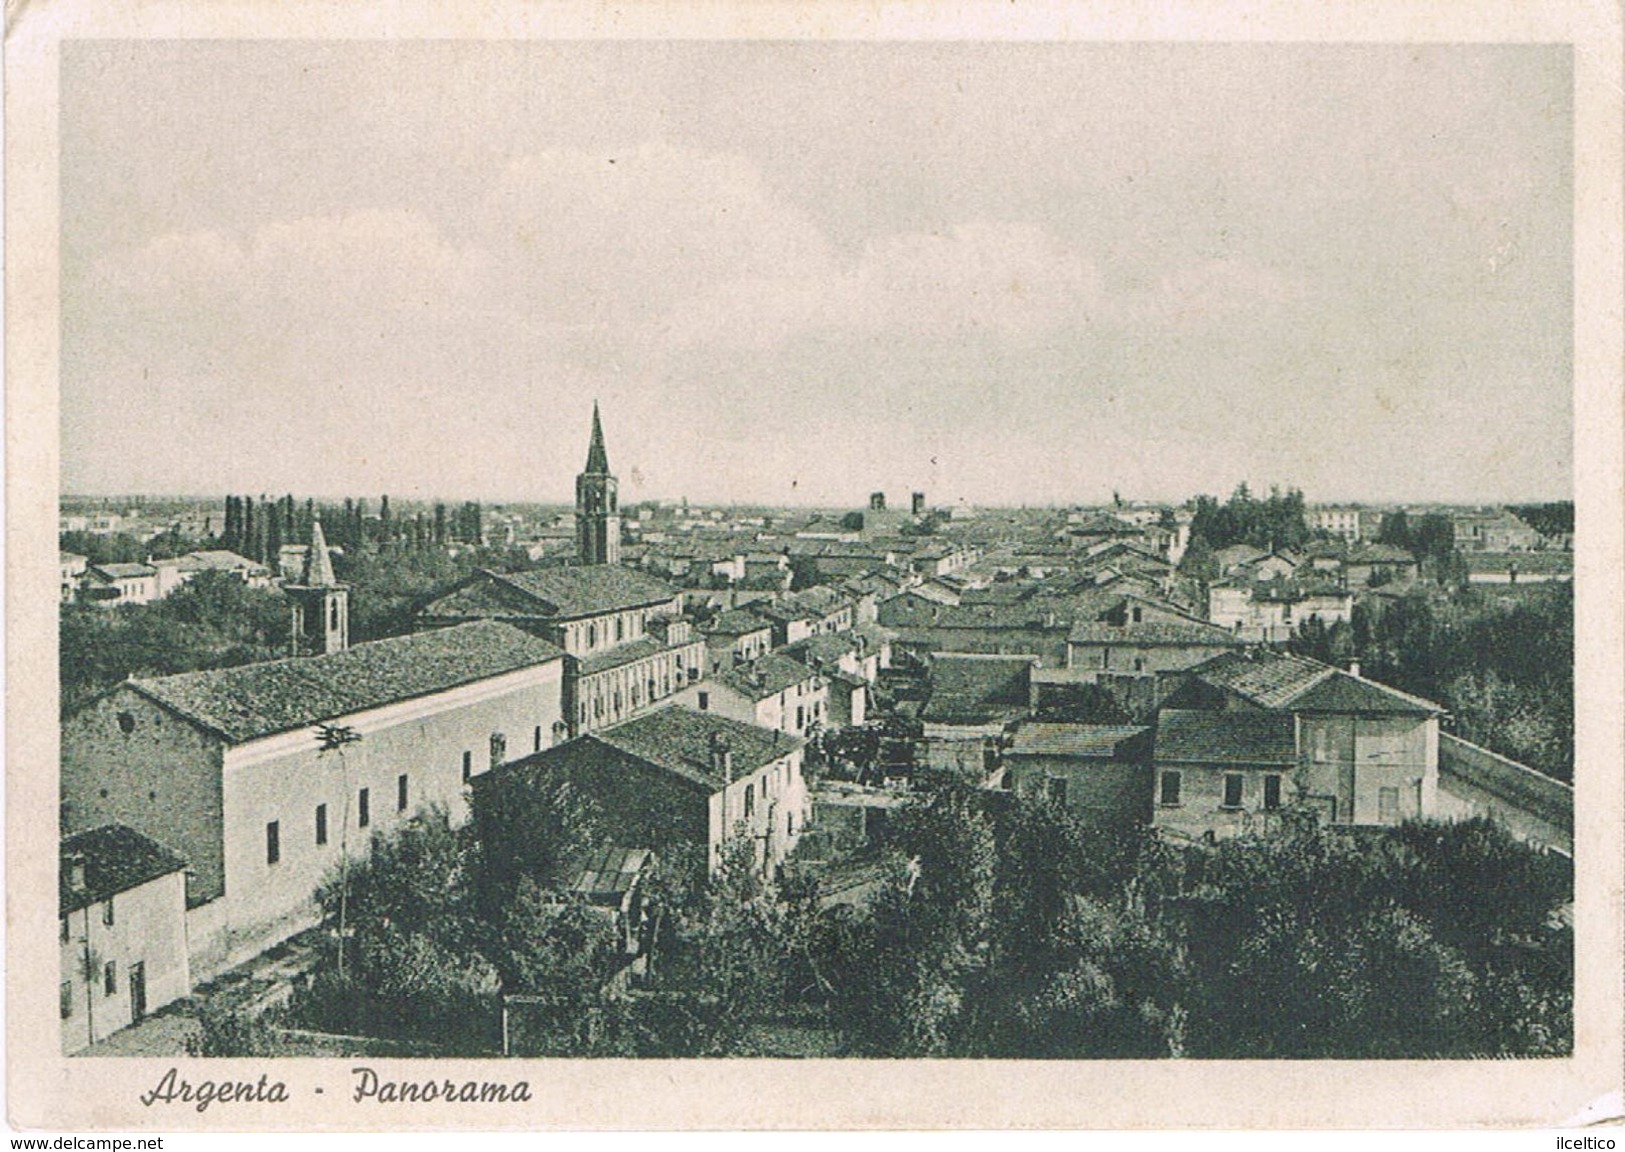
(1151, 634)
(967, 689)
(825, 648)
(765, 676)
(618, 655)
(1270, 679)
(1036, 738)
(257, 700)
(736, 622)
(1281, 681)
(124, 571)
(116, 859)
(222, 559)
(681, 741)
(1230, 737)
(1341, 692)
(588, 590)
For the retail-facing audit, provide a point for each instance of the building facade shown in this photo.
(228, 768)
(122, 932)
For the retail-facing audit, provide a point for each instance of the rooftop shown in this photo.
(966, 689)
(553, 593)
(256, 700)
(1281, 681)
(736, 622)
(116, 859)
(681, 740)
(1230, 737)
(1151, 634)
(1038, 738)
(765, 676)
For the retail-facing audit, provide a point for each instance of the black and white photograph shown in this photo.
(794, 551)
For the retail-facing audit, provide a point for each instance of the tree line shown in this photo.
(999, 927)
(1502, 666)
(259, 529)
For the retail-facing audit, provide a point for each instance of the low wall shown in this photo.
(1474, 781)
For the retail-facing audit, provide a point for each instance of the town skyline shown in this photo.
(1048, 272)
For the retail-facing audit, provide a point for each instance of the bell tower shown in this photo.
(598, 515)
(321, 605)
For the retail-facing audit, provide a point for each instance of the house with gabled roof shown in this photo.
(121, 908)
(772, 691)
(676, 778)
(627, 647)
(1365, 753)
(1101, 770)
(227, 767)
(971, 699)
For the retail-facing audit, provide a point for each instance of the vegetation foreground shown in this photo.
(999, 928)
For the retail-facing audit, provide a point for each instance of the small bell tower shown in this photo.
(321, 605)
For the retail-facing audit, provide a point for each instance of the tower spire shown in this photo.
(318, 565)
(598, 517)
(597, 458)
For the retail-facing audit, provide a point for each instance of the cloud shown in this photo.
(1008, 280)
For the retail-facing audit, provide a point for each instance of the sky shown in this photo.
(802, 272)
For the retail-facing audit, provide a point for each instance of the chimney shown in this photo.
(76, 873)
(1354, 669)
(918, 503)
(722, 757)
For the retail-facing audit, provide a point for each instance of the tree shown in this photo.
(336, 738)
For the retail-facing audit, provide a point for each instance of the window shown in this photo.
(620, 628)
(499, 749)
(273, 843)
(1272, 793)
(1139, 614)
(1170, 789)
(67, 999)
(126, 723)
(1139, 663)
(107, 912)
(750, 800)
(321, 824)
(592, 636)
(468, 767)
(1388, 805)
(1232, 789)
(64, 929)
(1055, 789)
(400, 792)
(705, 701)
(109, 979)
(789, 823)
(363, 808)
(801, 716)
(333, 614)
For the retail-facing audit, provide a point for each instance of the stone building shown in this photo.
(227, 767)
